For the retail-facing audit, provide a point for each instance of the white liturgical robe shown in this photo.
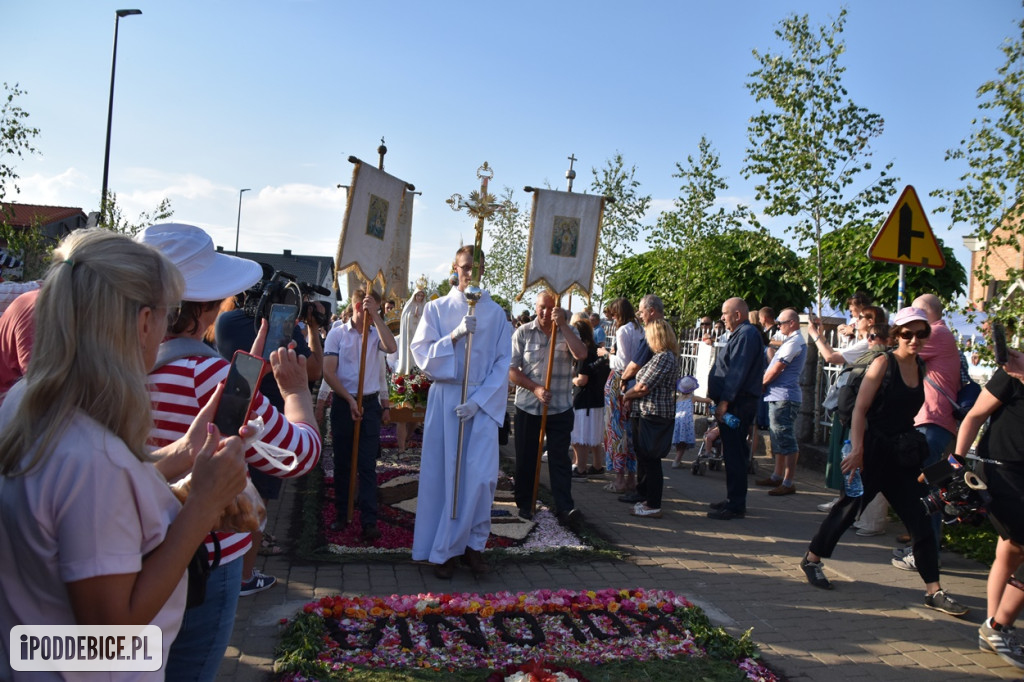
(438, 537)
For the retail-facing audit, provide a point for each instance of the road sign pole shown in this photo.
(902, 287)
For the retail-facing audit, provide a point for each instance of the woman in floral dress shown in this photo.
(619, 454)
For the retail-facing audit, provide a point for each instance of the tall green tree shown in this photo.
(747, 263)
(15, 138)
(988, 199)
(694, 220)
(810, 147)
(508, 230)
(620, 228)
(33, 248)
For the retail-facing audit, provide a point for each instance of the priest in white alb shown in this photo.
(439, 349)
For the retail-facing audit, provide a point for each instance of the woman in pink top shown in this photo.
(90, 533)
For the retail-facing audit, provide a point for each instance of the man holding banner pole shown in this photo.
(544, 405)
(351, 369)
(439, 349)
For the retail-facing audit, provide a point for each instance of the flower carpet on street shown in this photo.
(542, 634)
(398, 485)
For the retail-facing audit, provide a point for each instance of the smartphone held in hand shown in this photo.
(239, 393)
(280, 327)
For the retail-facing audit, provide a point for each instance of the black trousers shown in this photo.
(904, 493)
(653, 440)
(558, 430)
(342, 432)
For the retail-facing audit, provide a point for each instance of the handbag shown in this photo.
(199, 569)
(909, 449)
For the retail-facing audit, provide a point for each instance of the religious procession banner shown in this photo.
(397, 273)
(375, 234)
(564, 232)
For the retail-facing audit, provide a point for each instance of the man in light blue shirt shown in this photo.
(599, 334)
(782, 393)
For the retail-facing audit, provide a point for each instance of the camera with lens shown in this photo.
(318, 313)
(957, 492)
(282, 287)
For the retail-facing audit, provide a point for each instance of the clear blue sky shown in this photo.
(218, 95)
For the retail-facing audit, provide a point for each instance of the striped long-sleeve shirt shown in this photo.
(181, 388)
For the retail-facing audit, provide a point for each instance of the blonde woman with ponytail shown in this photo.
(90, 533)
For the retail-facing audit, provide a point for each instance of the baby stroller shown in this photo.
(711, 458)
(708, 458)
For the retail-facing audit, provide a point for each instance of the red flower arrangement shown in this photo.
(536, 671)
(408, 390)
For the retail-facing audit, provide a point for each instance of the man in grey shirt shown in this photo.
(530, 346)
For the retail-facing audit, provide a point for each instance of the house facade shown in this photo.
(1005, 263)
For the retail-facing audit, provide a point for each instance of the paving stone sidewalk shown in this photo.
(744, 573)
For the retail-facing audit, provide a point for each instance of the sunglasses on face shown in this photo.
(921, 334)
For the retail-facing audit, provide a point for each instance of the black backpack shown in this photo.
(849, 381)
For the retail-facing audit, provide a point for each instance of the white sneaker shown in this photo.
(907, 563)
(870, 532)
(827, 506)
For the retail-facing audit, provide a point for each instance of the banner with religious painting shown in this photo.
(564, 232)
(375, 234)
(397, 273)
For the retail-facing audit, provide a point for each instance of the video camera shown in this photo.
(958, 494)
(282, 287)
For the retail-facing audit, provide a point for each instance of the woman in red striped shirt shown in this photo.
(182, 382)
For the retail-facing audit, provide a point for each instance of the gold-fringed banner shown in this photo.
(564, 232)
(375, 233)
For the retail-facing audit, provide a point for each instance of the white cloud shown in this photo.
(66, 189)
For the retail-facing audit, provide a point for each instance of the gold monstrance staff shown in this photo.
(482, 206)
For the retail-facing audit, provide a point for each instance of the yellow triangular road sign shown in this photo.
(906, 237)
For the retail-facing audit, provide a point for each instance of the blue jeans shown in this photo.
(342, 431)
(783, 414)
(206, 629)
(938, 438)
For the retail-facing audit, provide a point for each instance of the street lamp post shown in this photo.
(238, 225)
(110, 111)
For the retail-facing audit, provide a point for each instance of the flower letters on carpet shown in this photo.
(489, 631)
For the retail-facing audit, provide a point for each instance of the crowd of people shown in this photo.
(111, 415)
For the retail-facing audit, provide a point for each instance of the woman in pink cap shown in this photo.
(888, 451)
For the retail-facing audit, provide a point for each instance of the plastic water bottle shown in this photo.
(731, 420)
(854, 486)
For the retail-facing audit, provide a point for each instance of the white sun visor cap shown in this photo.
(210, 275)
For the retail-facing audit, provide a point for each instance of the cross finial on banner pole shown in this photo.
(570, 174)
